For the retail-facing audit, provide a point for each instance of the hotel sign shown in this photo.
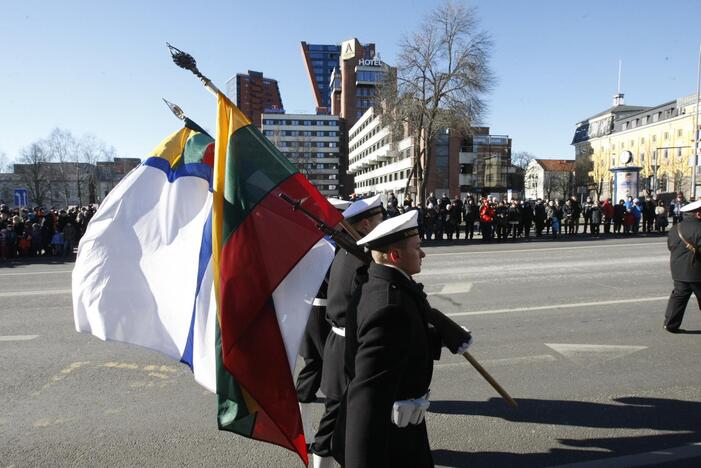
(375, 62)
(348, 49)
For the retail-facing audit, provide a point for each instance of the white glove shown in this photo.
(420, 407)
(463, 347)
(405, 412)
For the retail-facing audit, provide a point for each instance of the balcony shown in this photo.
(467, 158)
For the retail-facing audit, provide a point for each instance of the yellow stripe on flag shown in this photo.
(171, 148)
(229, 120)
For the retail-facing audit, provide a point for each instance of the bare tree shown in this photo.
(5, 165)
(442, 73)
(62, 149)
(600, 175)
(35, 172)
(522, 159)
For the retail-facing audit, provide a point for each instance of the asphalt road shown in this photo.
(572, 329)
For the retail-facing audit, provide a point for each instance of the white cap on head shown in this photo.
(338, 203)
(693, 206)
(392, 230)
(363, 208)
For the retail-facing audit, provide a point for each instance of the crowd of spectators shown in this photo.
(40, 232)
(491, 219)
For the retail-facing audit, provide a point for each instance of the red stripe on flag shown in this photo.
(256, 258)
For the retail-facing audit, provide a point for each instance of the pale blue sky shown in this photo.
(101, 68)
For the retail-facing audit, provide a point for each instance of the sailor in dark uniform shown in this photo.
(683, 242)
(312, 349)
(346, 275)
(389, 393)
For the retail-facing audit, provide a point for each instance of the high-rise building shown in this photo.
(254, 95)
(355, 80)
(310, 142)
(320, 60)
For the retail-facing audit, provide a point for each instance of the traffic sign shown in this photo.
(21, 197)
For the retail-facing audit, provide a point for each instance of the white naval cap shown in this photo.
(363, 208)
(693, 206)
(392, 230)
(338, 203)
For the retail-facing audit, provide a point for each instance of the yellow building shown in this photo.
(659, 140)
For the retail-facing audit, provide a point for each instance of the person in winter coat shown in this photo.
(486, 218)
(586, 213)
(661, 220)
(618, 212)
(607, 211)
(683, 242)
(471, 215)
(594, 218)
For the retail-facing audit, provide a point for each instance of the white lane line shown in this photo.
(17, 337)
(504, 251)
(587, 353)
(504, 361)
(560, 306)
(453, 288)
(42, 292)
(655, 457)
(36, 273)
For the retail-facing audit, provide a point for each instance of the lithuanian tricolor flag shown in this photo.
(268, 263)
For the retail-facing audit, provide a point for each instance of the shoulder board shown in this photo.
(394, 296)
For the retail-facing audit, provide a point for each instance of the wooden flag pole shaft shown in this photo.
(490, 379)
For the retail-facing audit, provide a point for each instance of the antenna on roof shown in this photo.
(618, 97)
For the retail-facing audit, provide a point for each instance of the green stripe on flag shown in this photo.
(232, 413)
(195, 148)
(256, 170)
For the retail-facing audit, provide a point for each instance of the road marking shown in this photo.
(655, 457)
(560, 306)
(42, 292)
(546, 249)
(504, 361)
(453, 288)
(17, 337)
(591, 353)
(36, 273)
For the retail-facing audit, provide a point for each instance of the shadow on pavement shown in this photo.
(657, 414)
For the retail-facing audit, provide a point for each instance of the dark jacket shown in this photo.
(346, 276)
(394, 362)
(685, 265)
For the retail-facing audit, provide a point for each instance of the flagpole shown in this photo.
(188, 62)
(175, 109)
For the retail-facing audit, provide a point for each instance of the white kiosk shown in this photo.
(626, 179)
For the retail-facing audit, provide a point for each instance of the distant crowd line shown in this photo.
(40, 232)
(492, 219)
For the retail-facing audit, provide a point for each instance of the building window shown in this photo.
(654, 138)
(642, 158)
(624, 126)
(645, 120)
(666, 135)
(642, 140)
(679, 132)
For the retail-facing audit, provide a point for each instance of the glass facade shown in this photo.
(324, 57)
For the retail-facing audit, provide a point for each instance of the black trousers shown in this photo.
(327, 426)
(312, 351)
(677, 302)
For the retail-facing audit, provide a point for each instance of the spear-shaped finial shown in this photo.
(188, 62)
(175, 109)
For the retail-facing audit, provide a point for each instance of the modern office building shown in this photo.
(658, 140)
(254, 95)
(355, 79)
(312, 143)
(319, 61)
(479, 164)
